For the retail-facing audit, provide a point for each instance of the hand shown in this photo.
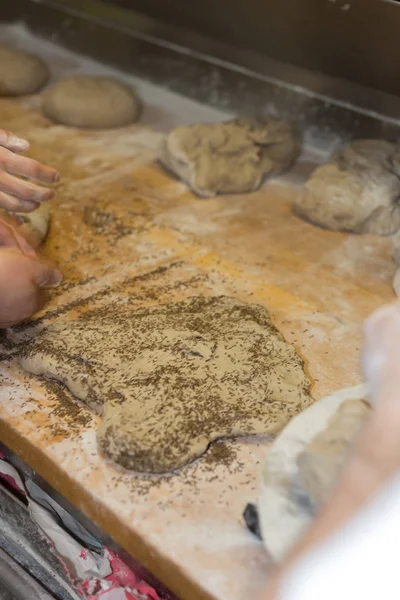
(375, 457)
(17, 195)
(10, 237)
(22, 279)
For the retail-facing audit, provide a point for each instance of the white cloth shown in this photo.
(360, 561)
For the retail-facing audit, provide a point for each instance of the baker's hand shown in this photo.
(22, 280)
(18, 195)
(10, 237)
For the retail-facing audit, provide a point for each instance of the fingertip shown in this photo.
(51, 193)
(48, 277)
(56, 177)
(43, 194)
(44, 174)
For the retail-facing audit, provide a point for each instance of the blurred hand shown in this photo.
(18, 195)
(22, 277)
(22, 280)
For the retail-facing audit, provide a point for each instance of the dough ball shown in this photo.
(320, 463)
(231, 157)
(35, 225)
(360, 200)
(358, 191)
(366, 154)
(92, 102)
(32, 226)
(21, 73)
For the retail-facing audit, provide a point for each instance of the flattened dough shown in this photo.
(320, 463)
(358, 191)
(21, 73)
(169, 380)
(231, 157)
(92, 102)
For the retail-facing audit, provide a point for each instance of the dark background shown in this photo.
(358, 40)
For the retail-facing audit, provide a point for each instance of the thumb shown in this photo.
(10, 237)
(45, 276)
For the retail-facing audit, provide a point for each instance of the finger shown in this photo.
(382, 349)
(10, 237)
(24, 190)
(10, 317)
(27, 167)
(15, 220)
(20, 297)
(45, 276)
(6, 236)
(380, 325)
(25, 306)
(12, 142)
(9, 202)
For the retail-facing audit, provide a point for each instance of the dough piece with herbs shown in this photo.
(169, 380)
(231, 157)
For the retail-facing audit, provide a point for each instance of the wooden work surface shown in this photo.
(120, 220)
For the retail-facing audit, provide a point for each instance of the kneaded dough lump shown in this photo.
(32, 226)
(35, 225)
(231, 157)
(357, 191)
(21, 73)
(168, 380)
(92, 102)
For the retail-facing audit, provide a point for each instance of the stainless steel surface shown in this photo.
(5, 594)
(17, 584)
(238, 78)
(17, 517)
(20, 538)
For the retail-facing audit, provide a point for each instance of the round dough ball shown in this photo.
(21, 73)
(93, 102)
